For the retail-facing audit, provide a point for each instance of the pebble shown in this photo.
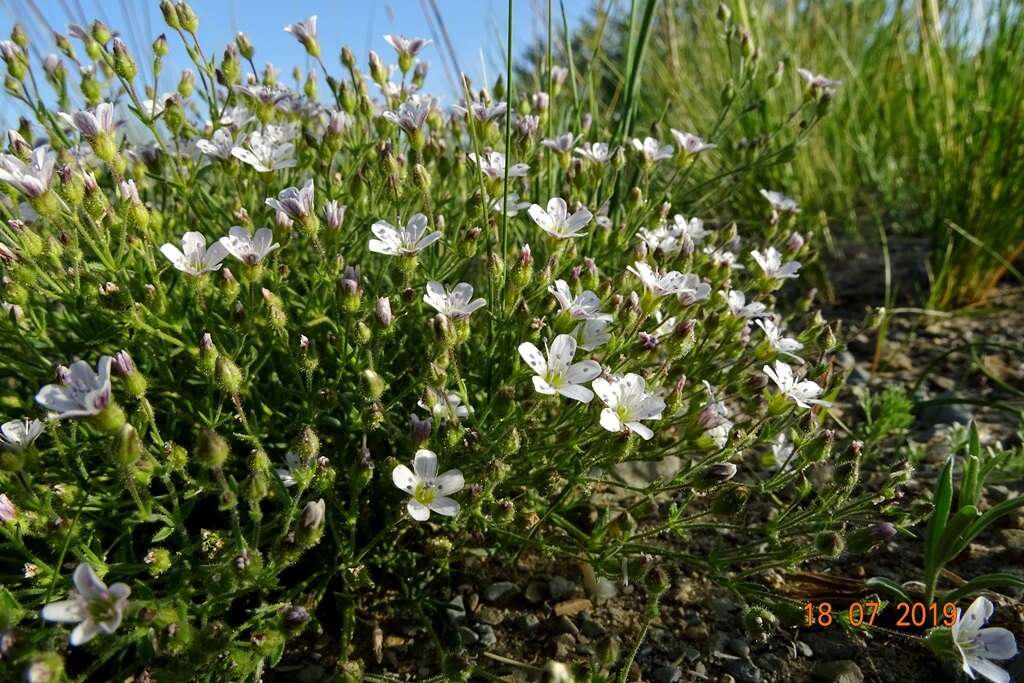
(804, 649)
(1013, 539)
(592, 629)
(564, 625)
(456, 609)
(500, 592)
(832, 645)
(572, 607)
(487, 635)
(561, 588)
(933, 415)
(469, 636)
(667, 674)
(534, 592)
(842, 671)
(563, 645)
(527, 623)
(740, 647)
(743, 671)
(490, 615)
(696, 632)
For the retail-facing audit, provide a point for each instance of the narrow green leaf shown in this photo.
(953, 532)
(984, 582)
(888, 586)
(939, 516)
(991, 515)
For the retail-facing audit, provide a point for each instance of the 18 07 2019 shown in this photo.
(907, 614)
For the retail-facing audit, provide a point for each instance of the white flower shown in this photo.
(402, 242)
(84, 392)
(979, 646)
(784, 345)
(714, 417)
(456, 303)
(266, 151)
(562, 144)
(780, 202)
(692, 228)
(304, 31)
(664, 238)
(92, 123)
(219, 146)
(33, 178)
(782, 450)
(772, 265)
(802, 393)
(492, 164)
(412, 113)
(430, 491)
(407, 46)
(514, 205)
(287, 473)
(556, 220)
(94, 607)
(591, 334)
(651, 149)
(193, 257)
(738, 306)
(154, 107)
(585, 306)
(294, 202)
(628, 402)
(687, 287)
(17, 435)
(690, 143)
(817, 81)
(447, 406)
(558, 374)
(597, 152)
(251, 249)
(481, 111)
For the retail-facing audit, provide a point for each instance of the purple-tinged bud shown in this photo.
(885, 531)
(633, 302)
(586, 121)
(383, 312)
(721, 472)
(419, 430)
(313, 514)
(282, 220)
(757, 382)
(123, 364)
(574, 274)
(303, 343)
(648, 342)
(795, 242)
(334, 214)
(8, 513)
(615, 300)
(680, 385)
(206, 343)
(685, 329)
(295, 616)
(525, 256)
(710, 417)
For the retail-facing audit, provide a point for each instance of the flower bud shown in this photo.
(213, 450)
(373, 384)
(170, 14)
(244, 45)
(313, 514)
(829, 544)
(382, 311)
(334, 214)
(160, 47)
(187, 17)
(759, 623)
(419, 430)
(229, 375)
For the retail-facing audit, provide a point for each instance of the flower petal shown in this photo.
(402, 477)
(442, 505)
(533, 357)
(64, 611)
(577, 392)
(449, 482)
(417, 510)
(610, 421)
(84, 632)
(424, 463)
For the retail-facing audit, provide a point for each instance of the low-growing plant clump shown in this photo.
(277, 360)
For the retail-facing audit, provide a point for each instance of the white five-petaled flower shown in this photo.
(292, 464)
(406, 241)
(652, 150)
(628, 402)
(557, 374)
(772, 265)
(83, 392)
(32, 179)
(304, 31)
(817, 81)
(738, 306)
(220, 145)
(251, 249)
(92, 605)
(406, 46)
(591, 334)
(266, 151)
(597, 152)
(412, 114)
(482, 111)
(430, 491)
(457, 303)
(294, 202)
(584, 306)
(556, 220)
(781, 344)
(692, 228)
(979, 646)
(562, 144)
(803, 393)
(446, 406)
(91, 123)
(690, 143)
(780, 202)
(513, 207)
(492, 164)
(687, 287)
(17, 435)
(193, 257)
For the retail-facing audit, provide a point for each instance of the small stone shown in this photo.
(469, 636)
(1013, 539)
(564, 625)
(743, 671)
(667, 674)
(527, 623)
(563, 646)
(561, 588)
(833, 645)
(487, 635)
(456, 609)
(739, 647)
(472, 601)
(804, 649)
(571, 608)
(698, 632)
(534, 592)
(490, 615)
(726, 678)
(592, 629)
(842, 671)
(690, 654)
(500, 592)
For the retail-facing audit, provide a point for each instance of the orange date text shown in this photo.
(905, 614)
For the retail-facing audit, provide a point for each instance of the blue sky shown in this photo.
(476, 29)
